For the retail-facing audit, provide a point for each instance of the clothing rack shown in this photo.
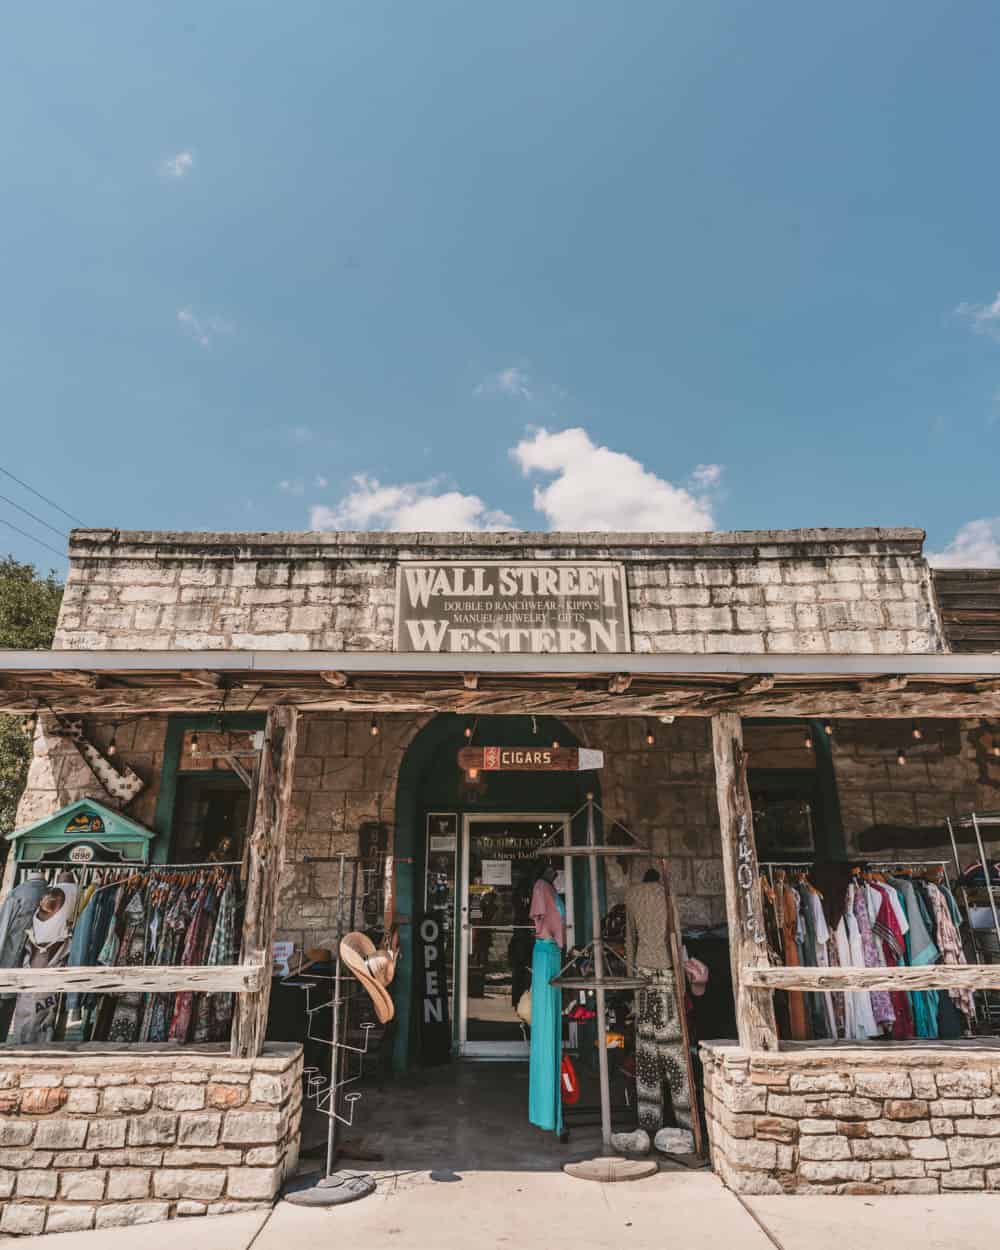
(374, 874)
(986, 951)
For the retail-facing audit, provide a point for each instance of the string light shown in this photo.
(917, 733)
(996, 749)
(194, 743)
(468, 731)
(828, 728)
(650, 736)
(555, 744)
(808, 741)
(473, 774)
(901, 757)
(113, 744)
(373, 728)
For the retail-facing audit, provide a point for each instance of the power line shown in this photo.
(44, 498)
(40, 520)
(41, 542)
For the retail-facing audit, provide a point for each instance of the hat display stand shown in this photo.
(337, 1186)
(607, 975)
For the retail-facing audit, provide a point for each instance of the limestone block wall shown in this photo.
(896, 1118)
(951, 770)
(58, 773)
(92, 1138)
(865, 590)
(665, 794)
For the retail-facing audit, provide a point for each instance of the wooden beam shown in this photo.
(755, 1020)
(265, 858)
(756, 685)
(932, 977)
(166, 979)
(884, 685)
(335, 679)
(470, 681)
(200, 677)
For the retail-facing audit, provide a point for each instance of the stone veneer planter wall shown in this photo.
(98, 1136)
(883, 1118)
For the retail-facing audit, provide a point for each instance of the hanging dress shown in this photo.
(789, 902)
(888, 932)
(544, 1093)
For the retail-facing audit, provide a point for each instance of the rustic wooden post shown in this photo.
(744, 907)
(266, 855)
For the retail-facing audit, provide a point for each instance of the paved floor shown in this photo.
(538, 1211)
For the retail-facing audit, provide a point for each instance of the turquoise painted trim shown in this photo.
(166, 799)
(49, 831)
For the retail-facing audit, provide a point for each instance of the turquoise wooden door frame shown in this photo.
(177, 726)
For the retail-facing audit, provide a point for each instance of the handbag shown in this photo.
(523, 1008)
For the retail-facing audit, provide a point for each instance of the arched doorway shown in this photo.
(467, 851)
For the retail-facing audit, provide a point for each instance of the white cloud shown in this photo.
(706, 476)
(204, 330)
(975, 546)
(595, 488)
(291, 486)
(985, 318)
(177, 166)
(512, 382)
(409, 506)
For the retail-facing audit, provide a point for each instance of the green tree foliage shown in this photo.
(29, 607)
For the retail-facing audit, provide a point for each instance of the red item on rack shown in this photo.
(568, 1083)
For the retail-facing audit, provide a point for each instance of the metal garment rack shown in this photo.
(371, 874)
(600, 982)
(977, 822)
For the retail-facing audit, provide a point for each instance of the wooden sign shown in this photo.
(533, 606)
(529, 759)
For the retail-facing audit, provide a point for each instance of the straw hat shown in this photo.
(373, 968)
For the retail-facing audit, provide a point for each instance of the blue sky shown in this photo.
(728, 265)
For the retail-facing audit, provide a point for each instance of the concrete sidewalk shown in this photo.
(551, 1211)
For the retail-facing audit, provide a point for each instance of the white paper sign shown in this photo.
(496, 872)
(281, 953)
(446, 842)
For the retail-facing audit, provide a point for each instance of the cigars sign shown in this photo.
(533, 606)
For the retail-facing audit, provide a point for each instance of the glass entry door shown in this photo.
(496, 929)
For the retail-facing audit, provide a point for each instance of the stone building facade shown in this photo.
(810, 593)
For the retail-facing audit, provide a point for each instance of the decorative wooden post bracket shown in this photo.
(755, 1020)
(266, 857)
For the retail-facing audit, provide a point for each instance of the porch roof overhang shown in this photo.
(878, 686)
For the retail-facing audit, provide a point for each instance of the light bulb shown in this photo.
(473, 774)
(194, 743)
(468, 731)
(918, 733)
(112, 747)
(901, 757)
(555, 744)
(373, 728)
(996, 749)
(650, 737)
(808, 742)
(828, 728)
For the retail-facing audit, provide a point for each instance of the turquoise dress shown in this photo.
(544, 1093)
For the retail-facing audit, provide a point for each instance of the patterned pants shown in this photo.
(659, 1052)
